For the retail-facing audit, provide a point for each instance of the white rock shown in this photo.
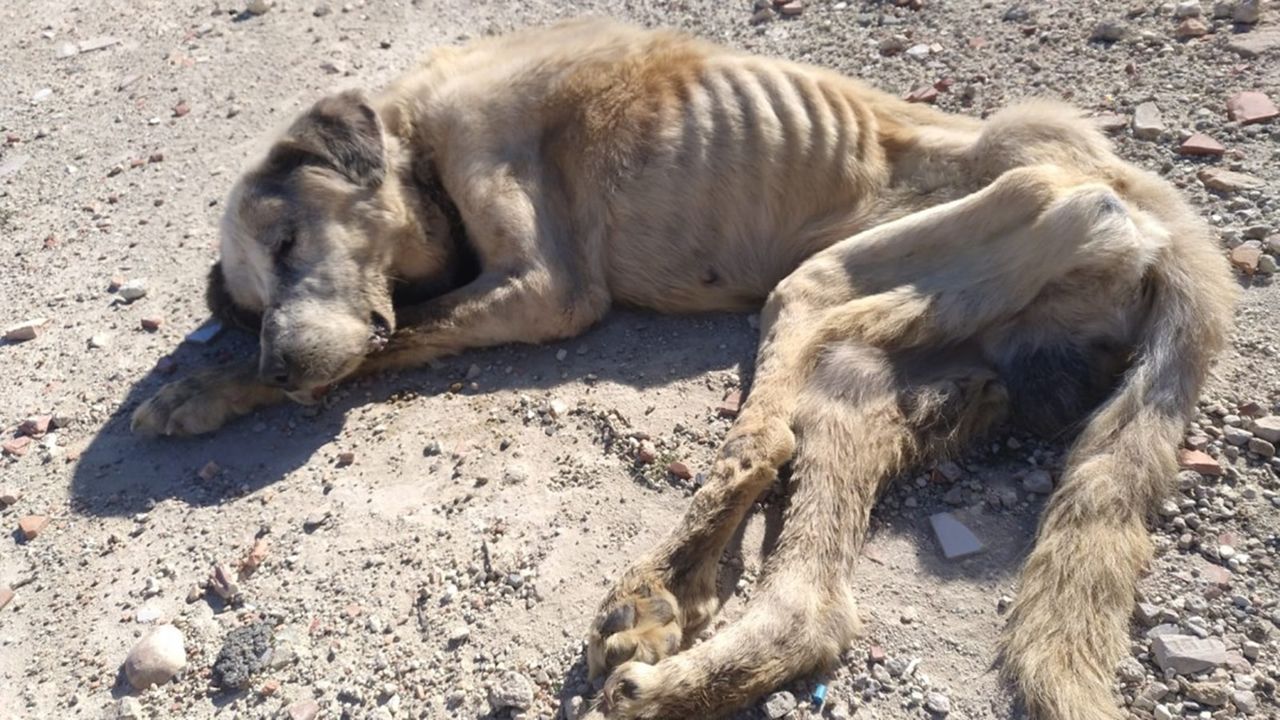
(1186, 654)
(779, 704)
(1190, 8)
(1038, 481)
(937, 703)
(1147, 124)
(157, 657)
(512, 690)
(1268, 428)
(133, 290)
(258, 7)
(956, 540)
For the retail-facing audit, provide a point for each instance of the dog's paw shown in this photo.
(196, 405)
(639, 621)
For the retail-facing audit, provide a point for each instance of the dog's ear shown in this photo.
(341, 132)
(221, 305)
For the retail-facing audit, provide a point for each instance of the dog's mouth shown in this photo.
(379, 332)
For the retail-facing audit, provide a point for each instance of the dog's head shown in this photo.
(312, 240)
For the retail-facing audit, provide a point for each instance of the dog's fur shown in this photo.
(925, 274)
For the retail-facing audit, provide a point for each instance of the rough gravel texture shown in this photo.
(458, 556)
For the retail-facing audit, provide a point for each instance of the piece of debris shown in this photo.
(1228, 180)
(1147, 124)
(346, 458)
(730, 405)
(222, 583)
(209, 471)
(206, 333)
(1199, 461)
(29, 526)
(156, 658)
(17, 447)
(679, 469)
(244, 652)
(254, 558)
(779, 704)
(1201, 145)
(1251, 107)
(151, 323)
(1245, 258)
(956, 539)
(25, 330)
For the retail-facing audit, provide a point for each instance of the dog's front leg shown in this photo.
(515, 304)
(204, 401)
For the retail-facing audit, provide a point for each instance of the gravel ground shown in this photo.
(432, 544)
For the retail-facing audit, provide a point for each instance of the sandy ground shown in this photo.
(476, 530)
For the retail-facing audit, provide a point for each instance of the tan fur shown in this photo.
(926, 277)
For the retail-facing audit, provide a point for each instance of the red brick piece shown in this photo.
(1201, 145)
(32, 525)
(680, 470)
(1202, 463)
(1251, 107)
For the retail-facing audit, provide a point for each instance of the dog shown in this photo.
(923, 277)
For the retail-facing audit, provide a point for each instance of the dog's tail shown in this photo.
(1068, 627)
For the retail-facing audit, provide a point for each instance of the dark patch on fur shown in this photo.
(1054, 388)
(222, 307)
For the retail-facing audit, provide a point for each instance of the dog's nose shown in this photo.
(277, 371)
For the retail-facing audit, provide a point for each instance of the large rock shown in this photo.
(1187, 654)
(157, 657)
(512, 690)
(1267, 428)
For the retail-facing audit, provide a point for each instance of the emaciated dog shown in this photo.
(923, 276)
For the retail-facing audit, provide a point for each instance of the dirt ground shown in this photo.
(488, 501)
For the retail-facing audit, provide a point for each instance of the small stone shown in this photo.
(1038, 481)
(680, 470)
(1245, 701)
(100, 340)
(779, 704)
(1201, 462)
(459, 635)
(17, 447)
(304, 710)
(937, 703)
(151, 323)
(1262, 447)
(222, 583)
(129, 709)
(1192, 28)
(729, 406)
(1236, 436)
(511, 690)
(908, 615)
(922, 94)
(1131, 671)
(876, 654)
(36, 425)
(1245, 259)
(321, 11)
(1209, 693)
(1187, 654)
(1147, 124)
(206, 333)
(269, 688)
(1188, 8)
(258, 7)
(1201, 145)
(254, 558)
(133, 290)
(9, 496)
(1110, 122)
(346, 458)
(1251, 107)
(209, 471)
(6, 596)
(29, 526)
(25, 330)
(954, 537)
(1247, 11)
(1228, 180)
(793, 8)
(1110, 31)
(1267, 428)
(646, 453)
(156, 658)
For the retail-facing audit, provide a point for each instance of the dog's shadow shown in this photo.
(120, 474)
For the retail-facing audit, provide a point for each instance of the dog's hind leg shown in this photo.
(859, 422)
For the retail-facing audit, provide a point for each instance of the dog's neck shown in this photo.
(434, 236)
